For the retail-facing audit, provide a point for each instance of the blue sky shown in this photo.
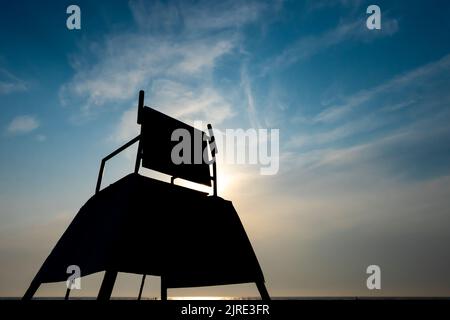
(363, 118)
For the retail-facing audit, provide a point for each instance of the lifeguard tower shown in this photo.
(146, 226)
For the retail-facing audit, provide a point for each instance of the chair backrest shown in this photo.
(157, 145)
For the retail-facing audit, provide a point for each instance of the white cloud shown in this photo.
(224, 14)
(196, 17)
(200, 56)
(10, 83)
(111, 71)
(127, 127)
(190, 102)
(180, 101)
(131, 62)
(415, 100)
(175, 65)
(386, 156)
(22, 124)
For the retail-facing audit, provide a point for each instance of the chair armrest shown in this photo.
(109, 156)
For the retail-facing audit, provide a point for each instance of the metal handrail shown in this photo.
(109, 156)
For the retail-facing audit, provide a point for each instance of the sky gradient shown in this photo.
(363, 115)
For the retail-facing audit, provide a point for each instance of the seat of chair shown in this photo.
(145, 226)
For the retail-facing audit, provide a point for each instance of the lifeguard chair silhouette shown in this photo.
(145, 226)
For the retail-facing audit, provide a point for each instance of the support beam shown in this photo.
(109, 156)
(213, 147)
(34, 286)
(107, 285)
(263, 290)
(142, 287)
(140, 106)
(163, 289)
(66, 297)
(139, 121)
(138, 155)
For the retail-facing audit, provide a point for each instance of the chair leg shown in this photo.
(262, 290)
(107, 285)
(66, 297)
(34, 286)
(163, 289)
(142, 287)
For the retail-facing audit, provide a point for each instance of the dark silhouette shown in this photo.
(145, 226)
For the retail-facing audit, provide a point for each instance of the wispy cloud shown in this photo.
(127, 127)
(310, 45)
(191, 102)
(313, 5)
(176, 69)
(10, 83)
(204, 16)
(128, 62)
(22, 124)
(180, 101)
(414, 151)
(389, 126)
(397, 86)
(251, 109)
